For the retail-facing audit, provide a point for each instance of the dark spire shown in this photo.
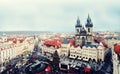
(78, 20)
(88, 19)
(78, 23)
(89, 23)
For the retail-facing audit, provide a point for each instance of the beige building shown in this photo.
(83, 38)
(116, 60)
(84, 48)
(88, 53)
(116, 64)
(48, 51)
(9, 50)
(97, 52)
(64, 50)
(112, 41)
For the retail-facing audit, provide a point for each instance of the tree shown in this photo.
(56, 61)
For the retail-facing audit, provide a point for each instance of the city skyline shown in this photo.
(58, 16)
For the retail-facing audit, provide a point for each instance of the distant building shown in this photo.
(3, 38)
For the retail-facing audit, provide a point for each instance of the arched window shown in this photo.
(78, 31)
(88, 29)
(83, 41)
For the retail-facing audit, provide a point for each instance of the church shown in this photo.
(83, 36)
(84, 48)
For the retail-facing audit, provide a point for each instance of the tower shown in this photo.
(80, 35)
(89, 29)
(78, 26)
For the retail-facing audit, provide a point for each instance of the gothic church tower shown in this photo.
(89, 29)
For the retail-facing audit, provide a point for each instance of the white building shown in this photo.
(116, 61)
(9, 50)
(83, 47)
(116, 64)
(95, 52)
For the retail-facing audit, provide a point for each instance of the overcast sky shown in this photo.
(58, 15)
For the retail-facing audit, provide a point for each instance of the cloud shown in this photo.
(58, 15)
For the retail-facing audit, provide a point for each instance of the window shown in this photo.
(64, 66)
(88, 29)
(78, 31)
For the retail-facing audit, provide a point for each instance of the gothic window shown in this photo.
(77, 30)
(88, 29)
(83, 41)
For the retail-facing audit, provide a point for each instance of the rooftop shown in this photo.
(91, 45)
(5, 45)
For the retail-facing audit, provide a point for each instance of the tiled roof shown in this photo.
(91, 45)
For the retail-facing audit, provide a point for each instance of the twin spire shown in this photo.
(88, 24)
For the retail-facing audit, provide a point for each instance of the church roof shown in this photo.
(78, 23)
(91, 45)
(89, 22)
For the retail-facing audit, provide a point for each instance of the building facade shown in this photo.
(84, 47)
(10, 50)
(83, 35)
(88, 53)
(116, 58)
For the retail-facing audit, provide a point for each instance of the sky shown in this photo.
(58, 15)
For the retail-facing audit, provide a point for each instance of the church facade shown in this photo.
(84, 47)
(83, 35)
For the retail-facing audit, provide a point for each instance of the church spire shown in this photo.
(88, 19)
(89, 22)
(78, 23)
(78, 20)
